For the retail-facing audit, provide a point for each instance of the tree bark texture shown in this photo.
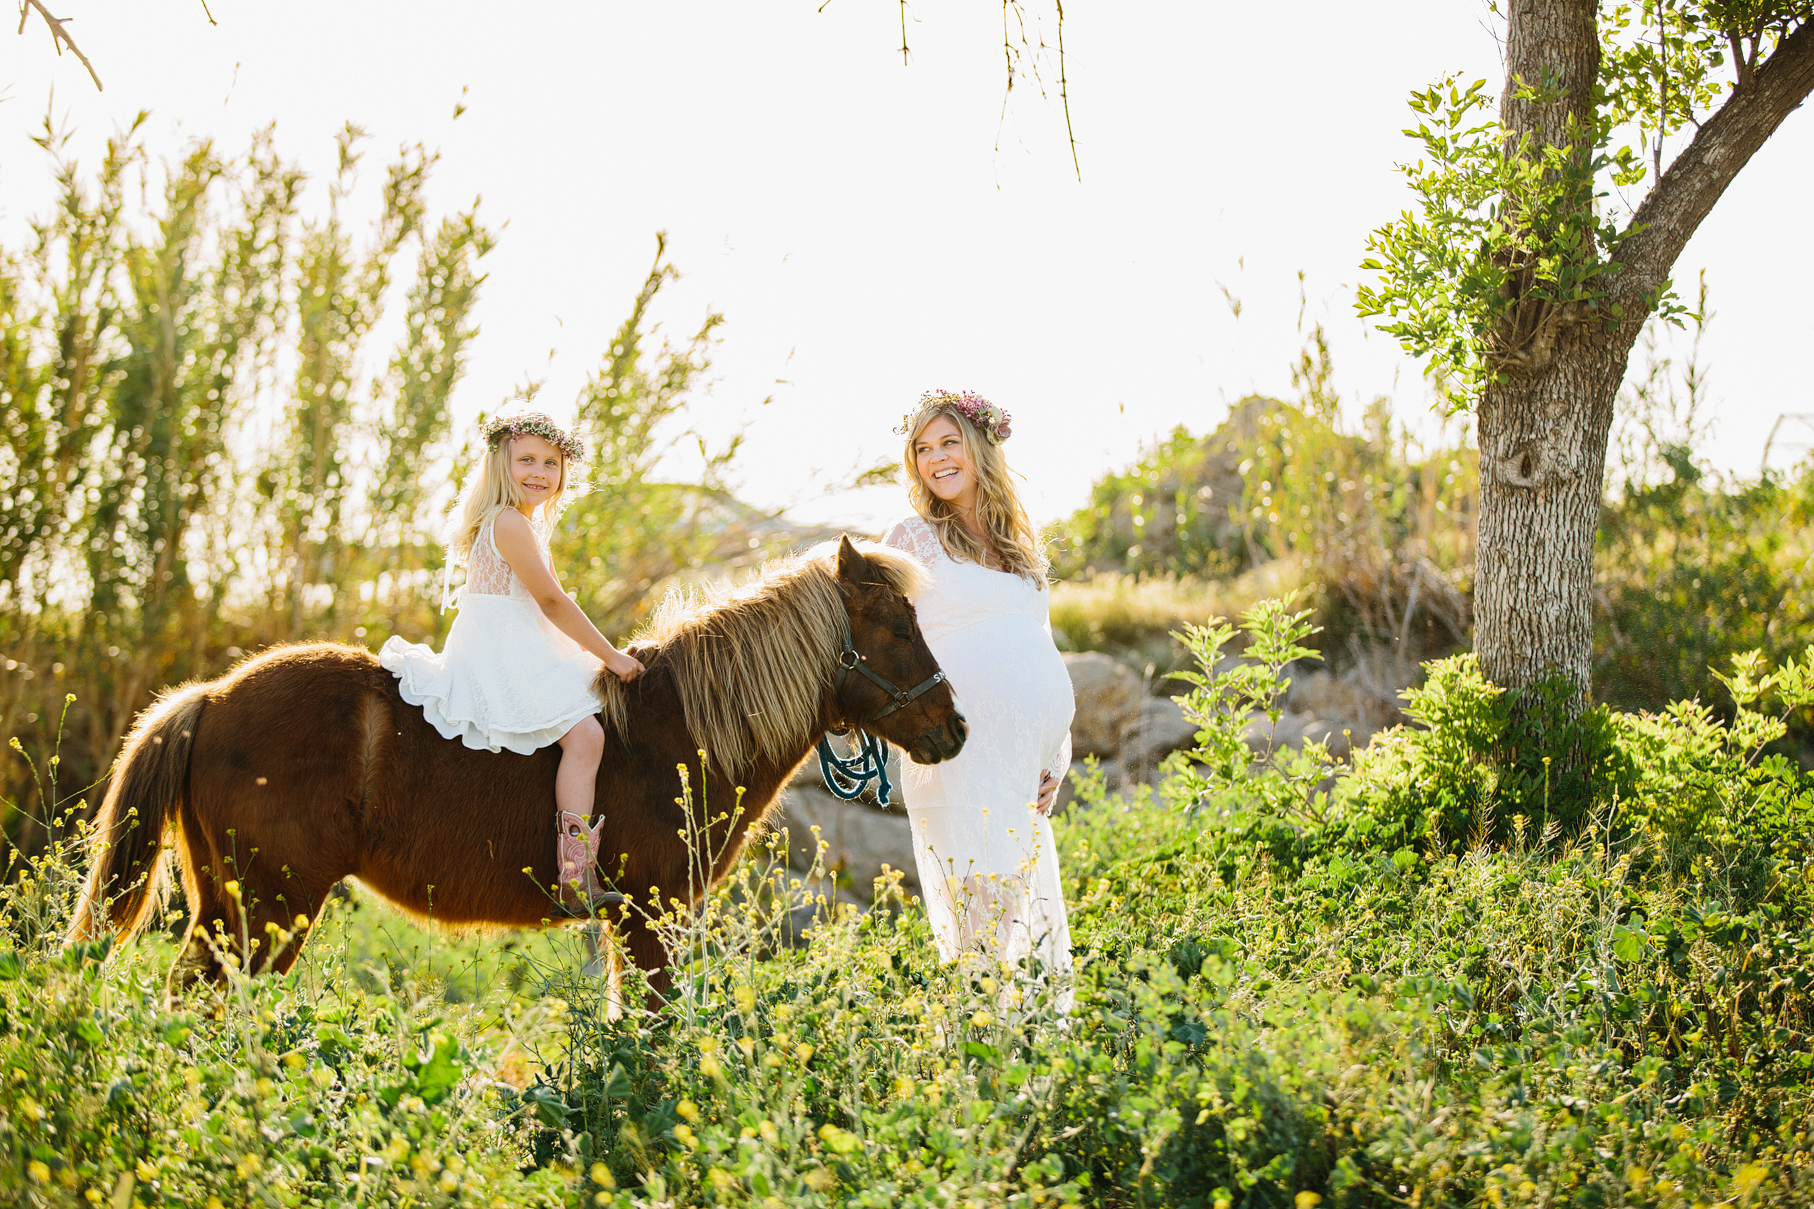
(1542, 440)
(1543, 426)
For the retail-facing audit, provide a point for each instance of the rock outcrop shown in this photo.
(1160, 730)
(1128, 733)
(1108, 702)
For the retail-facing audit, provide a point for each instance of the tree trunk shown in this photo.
(1542, 442)
(1542, 427)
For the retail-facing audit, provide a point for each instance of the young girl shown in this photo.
(521, 659)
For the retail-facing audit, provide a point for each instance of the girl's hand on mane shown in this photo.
(624, 666)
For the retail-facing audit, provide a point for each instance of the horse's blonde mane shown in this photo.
(753, 661)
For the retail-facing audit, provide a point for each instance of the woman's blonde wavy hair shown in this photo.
(492, 490)
(1011, 540)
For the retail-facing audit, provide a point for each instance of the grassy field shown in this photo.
(1432, 981)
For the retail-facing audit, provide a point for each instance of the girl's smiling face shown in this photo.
(536, 467)
(938, 455)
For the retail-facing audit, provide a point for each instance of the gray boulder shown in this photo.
(1108, 702)
(1160, 730)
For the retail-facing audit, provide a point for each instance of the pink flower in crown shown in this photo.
(984, 416)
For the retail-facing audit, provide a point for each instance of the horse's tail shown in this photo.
(130, 876)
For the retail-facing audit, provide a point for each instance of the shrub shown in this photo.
(1274, 1005)
(204, 449)
(1378, 522)
(1691, 575)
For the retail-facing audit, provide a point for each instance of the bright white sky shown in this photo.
(871, 230)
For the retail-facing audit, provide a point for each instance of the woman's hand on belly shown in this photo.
(1048, 792)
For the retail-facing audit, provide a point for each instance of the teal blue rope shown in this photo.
(848, 778)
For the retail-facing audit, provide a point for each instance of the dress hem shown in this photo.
(468, 730)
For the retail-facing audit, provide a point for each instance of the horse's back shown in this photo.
(293, 714)
(284, 669)
(284, 751)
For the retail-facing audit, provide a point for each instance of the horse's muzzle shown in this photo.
(941, 742)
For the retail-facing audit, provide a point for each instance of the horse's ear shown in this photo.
(852, 565)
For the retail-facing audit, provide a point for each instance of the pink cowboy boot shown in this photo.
(576, 856)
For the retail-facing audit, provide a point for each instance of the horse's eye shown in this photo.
(903, 630)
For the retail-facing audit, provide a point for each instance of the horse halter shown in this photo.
(847, 778)
(850, 659)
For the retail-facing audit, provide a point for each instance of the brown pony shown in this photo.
(303, 766)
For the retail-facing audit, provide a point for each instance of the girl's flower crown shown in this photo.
(534, 424)
(985, 416)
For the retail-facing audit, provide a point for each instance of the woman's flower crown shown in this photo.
(983, 415)
(534, 424)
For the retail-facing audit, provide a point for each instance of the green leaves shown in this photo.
(1628, 944)
(1501, 223)
(432, 1075)
(1664, 62)
(1232, 703)
(1509, 238)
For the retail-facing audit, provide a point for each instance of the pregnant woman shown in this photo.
(984, 846)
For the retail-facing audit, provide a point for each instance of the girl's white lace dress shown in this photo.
(506, 679)
(987, 865)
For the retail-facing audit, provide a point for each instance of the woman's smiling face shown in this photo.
(938, 455)
(536, 467)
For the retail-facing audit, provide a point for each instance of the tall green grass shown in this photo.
(1294, 986)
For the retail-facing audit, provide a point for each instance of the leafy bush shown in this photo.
(323, 1087)
(1379, 522)
(1693, 568)
(1286, 988)
(1693, 573)
(1294, 986)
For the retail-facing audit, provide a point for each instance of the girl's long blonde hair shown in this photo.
(493, 489)
(1011, 539)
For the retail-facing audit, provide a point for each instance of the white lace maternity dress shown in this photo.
(987, 865)
(506, 679)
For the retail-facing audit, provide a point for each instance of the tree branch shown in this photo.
(1064, 93)
(59, 36)
(1686, 194)
(1739, 64)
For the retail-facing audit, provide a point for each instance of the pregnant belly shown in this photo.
(1005, 666)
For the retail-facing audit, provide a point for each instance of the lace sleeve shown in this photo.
(916, 537)
(1060, 766)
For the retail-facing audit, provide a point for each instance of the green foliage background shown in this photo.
(1376, 527)
(203, 450)
(1292, 991)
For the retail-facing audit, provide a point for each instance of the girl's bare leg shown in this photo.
(582, 748)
